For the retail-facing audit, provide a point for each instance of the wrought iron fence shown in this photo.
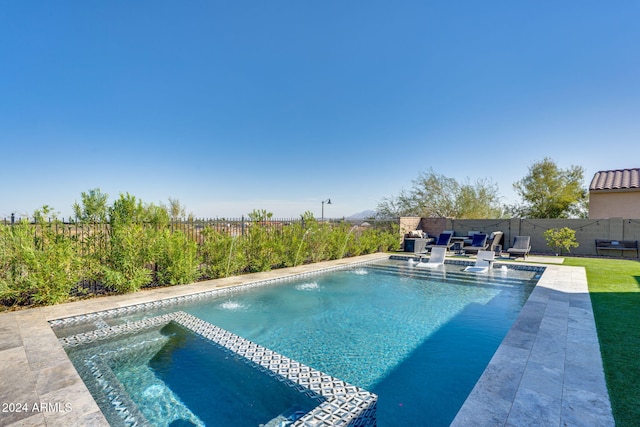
(92, 235)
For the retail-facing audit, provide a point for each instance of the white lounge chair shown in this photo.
(436, 259)
(483, 262)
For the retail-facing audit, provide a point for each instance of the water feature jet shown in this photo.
(344, 247)
(295, 261)
(233, 240)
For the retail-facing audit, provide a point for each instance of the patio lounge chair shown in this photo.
(478, 243)
(483, 262)
(444, 241)
(470, 235)
(494, 240)
(435, 260)
(521, 246)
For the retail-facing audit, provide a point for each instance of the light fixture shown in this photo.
(328, 201)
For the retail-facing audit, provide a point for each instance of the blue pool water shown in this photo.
(222, 391)
(418, 339)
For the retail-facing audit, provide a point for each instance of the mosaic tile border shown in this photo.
(115, 331)
(340, 403)
(113, 390)
(115, 312)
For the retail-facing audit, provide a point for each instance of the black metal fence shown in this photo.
(233, 227)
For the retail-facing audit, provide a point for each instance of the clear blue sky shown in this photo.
(231, 106)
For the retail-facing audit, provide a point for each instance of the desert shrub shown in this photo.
(367, 241)
(45, 262)
(222, 254)
(39, 266)
(177, 259)
(260, 248)
(130, 253)
(319, 247)
(347, 241)
(387, 239)
(296, 245)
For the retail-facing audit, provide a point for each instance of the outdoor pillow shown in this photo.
(479, 240)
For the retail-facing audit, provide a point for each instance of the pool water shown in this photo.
(217, 387)
(171, 376)
(418, 339)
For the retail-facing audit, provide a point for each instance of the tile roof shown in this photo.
(616, 179)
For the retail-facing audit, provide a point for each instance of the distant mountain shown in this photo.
(363, 215)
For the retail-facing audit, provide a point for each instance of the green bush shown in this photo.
(178, 261)
(129, 256)
(561, 239)
(222, 254)
(39, 266)
(297, 241)
(46, 262)
(261, 249)
(319, 244)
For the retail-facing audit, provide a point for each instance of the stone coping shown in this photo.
(548, 369)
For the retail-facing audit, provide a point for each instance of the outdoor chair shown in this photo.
(478, 243)
(435, 260)
(470, 235)
(483, 262)
(444, 241)
(494, 240)
(521, 246)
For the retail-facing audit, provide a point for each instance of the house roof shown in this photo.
(616, 179)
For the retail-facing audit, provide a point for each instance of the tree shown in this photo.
(550, 192)
(561, 239)
(175, 209)
(127, 209)
(434, 195)
(157, 215)
(93, 208)
(397, 206)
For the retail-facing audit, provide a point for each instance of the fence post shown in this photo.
(242, 225)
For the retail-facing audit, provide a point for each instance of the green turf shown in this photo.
(614, 286)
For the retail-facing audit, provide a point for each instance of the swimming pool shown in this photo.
(418, 339)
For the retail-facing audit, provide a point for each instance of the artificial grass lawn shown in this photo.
(614, 286)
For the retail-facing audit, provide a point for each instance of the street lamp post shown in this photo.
(328, 201)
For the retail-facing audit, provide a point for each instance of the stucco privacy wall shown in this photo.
(587, 230)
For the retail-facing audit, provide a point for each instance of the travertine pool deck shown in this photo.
(547, 371)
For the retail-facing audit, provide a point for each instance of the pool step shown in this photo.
(496, 274)
(495, 278)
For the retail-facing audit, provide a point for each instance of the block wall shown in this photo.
(587, 230)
